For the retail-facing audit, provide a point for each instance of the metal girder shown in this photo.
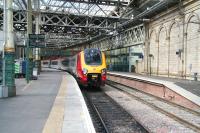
(85, 7)
(52, 22)
(77, 21)
(64, 39)
(87, 10)
(148, 8)
(137, 19)
(76, 27)
(132, 36)
(43, 2)
(25, 4)
(86, 27)
(100, 2)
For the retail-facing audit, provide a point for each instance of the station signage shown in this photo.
(37, 41)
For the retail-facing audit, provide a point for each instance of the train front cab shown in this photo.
(91, 68)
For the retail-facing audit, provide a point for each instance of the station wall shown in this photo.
(173, 42)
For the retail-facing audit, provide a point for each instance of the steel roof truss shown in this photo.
(100, 2)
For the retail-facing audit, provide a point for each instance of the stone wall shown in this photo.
(174, 41)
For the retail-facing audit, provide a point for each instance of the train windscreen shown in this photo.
(92, 57)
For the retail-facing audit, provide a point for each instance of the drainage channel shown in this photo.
(107, 115)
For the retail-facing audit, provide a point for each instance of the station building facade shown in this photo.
(173, 43)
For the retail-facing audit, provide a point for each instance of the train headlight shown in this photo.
(85, 71)
(103, 71)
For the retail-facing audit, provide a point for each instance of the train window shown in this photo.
(45, 63)
(54, 63)
(92, 57)
(65, 62)
(72, 62)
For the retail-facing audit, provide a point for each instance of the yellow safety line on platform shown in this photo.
(56, 116)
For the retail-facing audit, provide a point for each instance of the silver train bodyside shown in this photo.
(60, 64)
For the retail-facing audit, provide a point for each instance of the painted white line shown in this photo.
(26, 87)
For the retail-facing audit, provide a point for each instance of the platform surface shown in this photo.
(189, 85)
(30, 110)
(187, 88)
(77, 118)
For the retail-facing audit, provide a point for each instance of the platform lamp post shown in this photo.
(27, 61)
(9, 49)
(150, 56)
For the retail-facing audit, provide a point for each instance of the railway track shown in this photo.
(186, 117)
(108, 116)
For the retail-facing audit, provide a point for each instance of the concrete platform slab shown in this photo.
(77, 118)
(162, 87)
(28, 111)
(69, 113)
(53, 103)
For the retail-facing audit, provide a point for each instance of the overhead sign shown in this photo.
(37, 36)
(58, 52)
(37, 41)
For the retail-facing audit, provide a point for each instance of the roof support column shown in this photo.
(29, 17)
(147, 55)
(29, 52)
(37, 26)
(9, 49)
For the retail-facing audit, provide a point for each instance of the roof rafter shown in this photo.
(100, 2)
(25, 4)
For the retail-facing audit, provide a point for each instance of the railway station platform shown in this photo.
(180, 91)
(51, 104)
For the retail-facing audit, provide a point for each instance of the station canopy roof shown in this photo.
(74, 22)
(77, 8)
(102, 8)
